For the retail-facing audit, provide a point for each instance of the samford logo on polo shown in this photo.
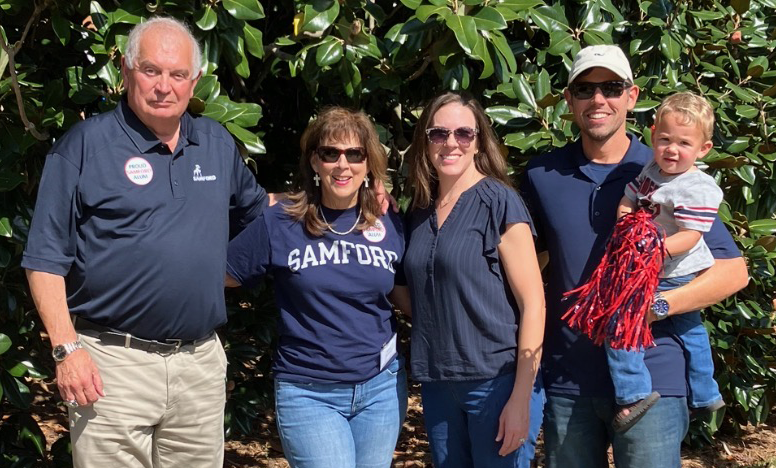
(198, 177)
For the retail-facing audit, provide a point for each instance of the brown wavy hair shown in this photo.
(333, 124)
(489, 160)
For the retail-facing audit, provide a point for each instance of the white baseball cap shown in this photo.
(605, 56)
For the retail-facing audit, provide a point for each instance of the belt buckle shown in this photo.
(175, 342)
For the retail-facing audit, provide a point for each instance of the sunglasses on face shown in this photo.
(330, 154)
(439, 135)
(610, 89)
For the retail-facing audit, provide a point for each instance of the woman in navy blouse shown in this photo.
(477, 297)
(340, 388)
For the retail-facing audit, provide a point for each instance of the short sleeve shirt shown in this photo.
(332, 291)
(464, 316)
(140, 232)
(574, 216)
(689, 200)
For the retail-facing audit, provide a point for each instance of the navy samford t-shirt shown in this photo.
(332, 291)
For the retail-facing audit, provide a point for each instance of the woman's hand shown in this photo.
(513, 425)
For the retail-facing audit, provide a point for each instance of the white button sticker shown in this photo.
(375, 233)
(139, 171)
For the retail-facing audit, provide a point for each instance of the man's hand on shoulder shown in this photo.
(78, 379)
(384, 198)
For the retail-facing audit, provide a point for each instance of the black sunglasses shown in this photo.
(463, 135)
(330, 154)
(610, 89)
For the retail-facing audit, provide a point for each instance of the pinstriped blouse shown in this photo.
(464, 316)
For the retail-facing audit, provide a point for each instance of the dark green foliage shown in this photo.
(270, 65)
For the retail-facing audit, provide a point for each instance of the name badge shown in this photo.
(388, 352)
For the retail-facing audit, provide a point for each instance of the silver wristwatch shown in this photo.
(60, 352)
(660, 306)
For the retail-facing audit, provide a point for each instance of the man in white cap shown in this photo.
(573, 193)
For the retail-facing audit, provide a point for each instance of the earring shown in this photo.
(317, 180)
(366, 181)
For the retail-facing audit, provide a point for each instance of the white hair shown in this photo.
(133, 43)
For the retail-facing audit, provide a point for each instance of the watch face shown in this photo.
(59, 352)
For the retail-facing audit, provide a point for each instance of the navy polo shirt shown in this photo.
(574, 209)
(332, 292)
(140, 232)
(464, 316)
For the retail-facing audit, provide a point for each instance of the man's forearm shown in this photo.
(726, 277)
(48, 292)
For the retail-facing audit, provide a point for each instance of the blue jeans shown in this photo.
(462, 422)
(631, 378)
(342, 425)
(578, 431)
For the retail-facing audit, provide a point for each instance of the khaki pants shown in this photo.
(159, 411)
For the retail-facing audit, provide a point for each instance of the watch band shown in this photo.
(60, 352)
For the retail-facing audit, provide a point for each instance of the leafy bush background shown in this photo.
(268, 66)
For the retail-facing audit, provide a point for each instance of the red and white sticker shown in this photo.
(139, 171)
(375, 233)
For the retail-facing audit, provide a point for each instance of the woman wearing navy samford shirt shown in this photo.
(340, 387)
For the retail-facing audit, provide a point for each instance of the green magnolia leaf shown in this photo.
(5, 343)
(549, 19)
(30, 433)
(465, 31)
(411, 4)
(542, 86)
(560, 42)
(244, 9)
(482, 54)
(320, 15)
(206, 18)
(129, 15)
(757, 67)
(520, 5)
(253, 41)
(504, 114)
(707, 15)
(250, 114)
(746, 173)
(741, 6)
(643, 105)
(250, 140)
(741, 93)
(329, 52)
(500, 42)
(763, 226)
(523, 91)
(207, 88)
(670, 47)
(424, 12)
(489, 19)
(522, 141)
(217, 109)
(5, 228)
(747, 112)
(508, 13)
(15, 391)
(110, 75)
(61, 28)
(351, 78)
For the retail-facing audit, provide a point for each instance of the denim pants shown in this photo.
(578, 431)
(462, 422)
(342, 425)
(631, 378)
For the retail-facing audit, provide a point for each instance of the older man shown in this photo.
(573, 193)
(126, 259)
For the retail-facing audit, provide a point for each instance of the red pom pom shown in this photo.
(614, 303)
